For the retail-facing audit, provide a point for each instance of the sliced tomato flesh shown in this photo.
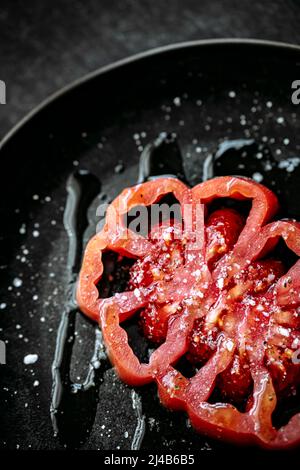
(208, 288)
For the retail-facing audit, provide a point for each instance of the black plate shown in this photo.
(205, 92)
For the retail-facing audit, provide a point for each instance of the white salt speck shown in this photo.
(286, 141)
(22, 229)
(43, 319)
(75, 162)
(197, 273)
(258, 177)
(96, 364)
(36, 383)
(137, 292)
(3, 306)
(126, 434)
(177, 101)
(229, 345)
(284, 331)
(35, 197)
(269, 104)
(119, 168)
(280, 120)
(30, 359)
(17, 282)
(295, 343)
(35, 297)
(36, 233)
(289, 164)
(268, 166)
(232, 94)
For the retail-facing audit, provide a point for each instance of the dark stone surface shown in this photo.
(45, 45)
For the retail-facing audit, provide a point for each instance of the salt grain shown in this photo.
(30, 359)
(258, 177)
(229, 345)
(17, 282)
(22, 229)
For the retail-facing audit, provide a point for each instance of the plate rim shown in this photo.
(134, 58)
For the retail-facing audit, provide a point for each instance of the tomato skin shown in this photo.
(223, 291)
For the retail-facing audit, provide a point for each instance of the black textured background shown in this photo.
(47, 44)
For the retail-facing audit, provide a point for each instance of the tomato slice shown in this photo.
(206, 287)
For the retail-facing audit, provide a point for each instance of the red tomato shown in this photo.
(212, 293)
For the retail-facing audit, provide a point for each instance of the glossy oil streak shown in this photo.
(161, 158)
(82, 188)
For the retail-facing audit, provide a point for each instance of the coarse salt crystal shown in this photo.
(229, 345)
(137, 292)
(284, 331)
(30, 359)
